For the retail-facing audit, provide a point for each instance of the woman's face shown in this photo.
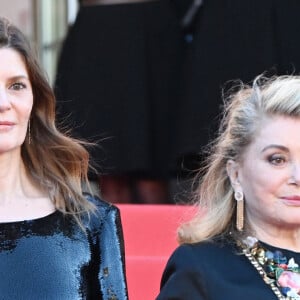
(16, 100)
(269, 174)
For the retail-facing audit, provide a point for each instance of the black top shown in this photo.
(214, 271)
(53, 258)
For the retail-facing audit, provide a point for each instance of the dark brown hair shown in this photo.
(55, 161)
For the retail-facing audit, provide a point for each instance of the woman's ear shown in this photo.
(232, 169)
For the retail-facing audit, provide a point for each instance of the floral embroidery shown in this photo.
(281, 274)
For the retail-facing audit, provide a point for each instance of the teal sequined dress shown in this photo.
(53, 258)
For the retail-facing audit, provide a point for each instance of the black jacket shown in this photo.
(214, 271)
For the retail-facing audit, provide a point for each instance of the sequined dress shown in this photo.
(53, 258)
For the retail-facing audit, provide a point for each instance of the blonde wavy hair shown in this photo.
(54, 161)
(244, 111)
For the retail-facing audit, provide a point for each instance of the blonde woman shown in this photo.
(247, 245)
(55, 242)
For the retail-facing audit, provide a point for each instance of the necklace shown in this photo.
(282, 275)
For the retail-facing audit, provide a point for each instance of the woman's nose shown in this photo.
(4, 101)
(295, 174)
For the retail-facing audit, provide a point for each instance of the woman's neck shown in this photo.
(287, 237)
(20, 198)
(12, 173)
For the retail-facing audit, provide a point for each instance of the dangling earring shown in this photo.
(29, 132)
(239, 197)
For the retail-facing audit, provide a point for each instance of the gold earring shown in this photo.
(29, 133)
(239, 197)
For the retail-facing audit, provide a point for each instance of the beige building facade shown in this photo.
(45, 22)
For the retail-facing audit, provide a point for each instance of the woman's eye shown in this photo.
(18, 86)
(276, 160)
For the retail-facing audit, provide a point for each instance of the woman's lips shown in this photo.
(6, 126)
(292, 200)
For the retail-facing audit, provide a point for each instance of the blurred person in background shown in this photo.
(117, 83)
(227, 40)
